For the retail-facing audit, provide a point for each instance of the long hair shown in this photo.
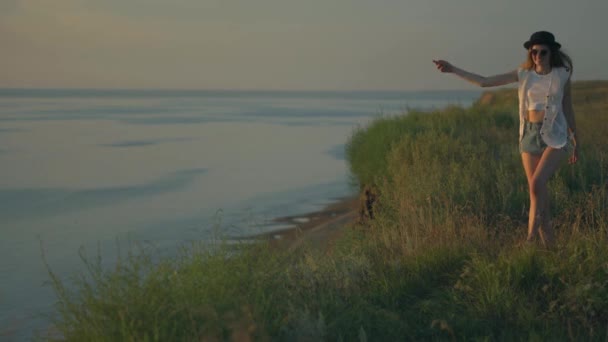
(558, 59)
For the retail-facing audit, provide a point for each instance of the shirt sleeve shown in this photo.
(520, 72)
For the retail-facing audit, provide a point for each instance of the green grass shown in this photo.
(441, 261)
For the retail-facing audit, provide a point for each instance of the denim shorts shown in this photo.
(532, 141)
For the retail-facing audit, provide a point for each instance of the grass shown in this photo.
(440, 261)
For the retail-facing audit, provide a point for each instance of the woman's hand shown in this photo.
(574, 156)
(443, 66)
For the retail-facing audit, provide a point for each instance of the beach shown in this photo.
(318, 229)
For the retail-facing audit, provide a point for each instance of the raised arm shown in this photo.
(491, 81)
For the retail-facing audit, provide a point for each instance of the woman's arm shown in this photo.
(569, 113)
(491, 81)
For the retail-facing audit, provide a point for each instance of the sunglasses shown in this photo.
(541, 52)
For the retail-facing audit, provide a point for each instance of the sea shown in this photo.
(85, 171)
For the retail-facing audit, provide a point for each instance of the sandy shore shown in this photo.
(320, 228)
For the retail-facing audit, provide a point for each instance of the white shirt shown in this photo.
(538, 90)
(554, 130)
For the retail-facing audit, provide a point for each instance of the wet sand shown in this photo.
(319, 228)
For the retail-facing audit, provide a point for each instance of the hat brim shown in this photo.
(529, 43)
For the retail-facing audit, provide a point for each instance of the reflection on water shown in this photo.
(26, 203)
(337, 151)
(84, 168)
(132, 143)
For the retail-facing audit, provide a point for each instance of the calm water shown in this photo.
(88, 168)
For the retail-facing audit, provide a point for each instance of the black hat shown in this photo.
(544, 38)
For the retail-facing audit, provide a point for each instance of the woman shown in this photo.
(547, 127)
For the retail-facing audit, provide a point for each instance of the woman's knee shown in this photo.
(538, 187)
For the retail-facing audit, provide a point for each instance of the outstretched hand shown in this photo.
(443, 66)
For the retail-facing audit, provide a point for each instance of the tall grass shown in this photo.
(441, 260)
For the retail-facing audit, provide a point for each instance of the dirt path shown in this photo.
(319, 229)
(324, 235)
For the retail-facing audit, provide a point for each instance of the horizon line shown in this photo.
(252, 90)
(268, 90)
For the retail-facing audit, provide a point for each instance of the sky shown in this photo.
(285, 44)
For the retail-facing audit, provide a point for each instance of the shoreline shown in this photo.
(319, 227)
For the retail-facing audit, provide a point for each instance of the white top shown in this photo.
(554, 128)
(538, 90)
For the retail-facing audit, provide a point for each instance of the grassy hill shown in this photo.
(441, 260)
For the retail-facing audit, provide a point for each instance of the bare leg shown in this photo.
(539, 194)
(547, 233)
(530, 162)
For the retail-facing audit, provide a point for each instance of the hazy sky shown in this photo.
(284, 44)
